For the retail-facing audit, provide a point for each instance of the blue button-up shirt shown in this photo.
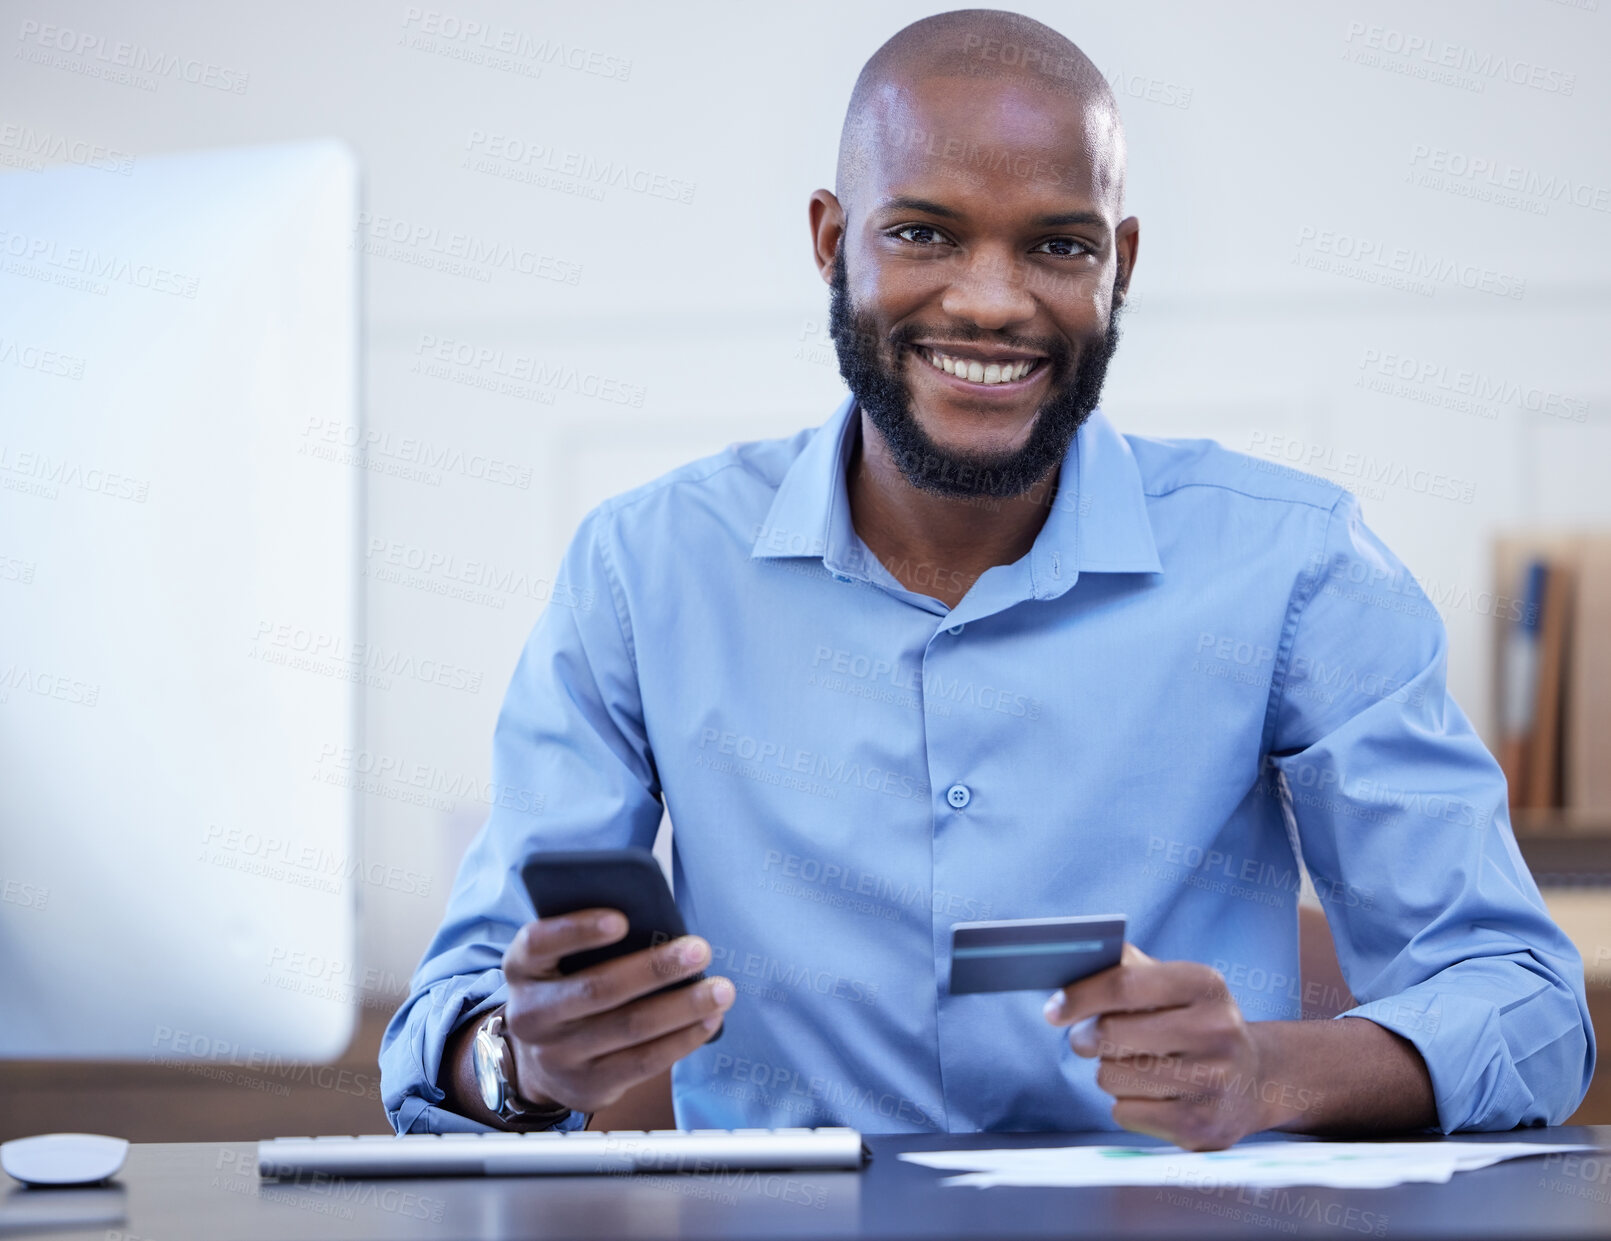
(1204, 668)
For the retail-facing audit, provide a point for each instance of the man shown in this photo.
(966, 652)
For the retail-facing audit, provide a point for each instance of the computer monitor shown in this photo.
(178, 605)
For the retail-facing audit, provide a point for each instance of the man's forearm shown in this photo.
(1346, 1076)
(457, 1075)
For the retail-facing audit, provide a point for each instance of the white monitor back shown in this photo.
(170, 550)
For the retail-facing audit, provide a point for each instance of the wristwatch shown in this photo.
(495, 1077)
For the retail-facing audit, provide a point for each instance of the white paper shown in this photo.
(1264, 1165)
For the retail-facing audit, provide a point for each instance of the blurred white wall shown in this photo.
(1269, 143)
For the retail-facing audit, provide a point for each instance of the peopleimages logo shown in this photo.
(23, 146)
(523, 159)
(186, 1047)
(837, 669)
(456, 253)
(809, 763)
(131, 64)
(405, 456)
(39, 474)
(45, 257)
(476, 581)
(1458, 388)
(792, 978)
(1481, 176)
(1405, 267)
(1366, 473)
(785, 1086)
(371, 772)
(512, 373)
(1438, 60)
(322, 868)
(857, 882)
(479, 42)
(29, 357)
(316, 650)
(24, 679)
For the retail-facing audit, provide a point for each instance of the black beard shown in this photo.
(882, 393)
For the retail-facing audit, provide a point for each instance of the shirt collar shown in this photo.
(1098, 521)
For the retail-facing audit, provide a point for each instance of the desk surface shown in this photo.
(205, 1190)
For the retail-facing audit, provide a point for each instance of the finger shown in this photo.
(631, 1065)
(644, 1020)
(1163, 1032)
(1136, 987)
(537, 947)
(1129, 954)
(1180, 1121)
(610, 984)
(1158, 1118)
(1152, 1079)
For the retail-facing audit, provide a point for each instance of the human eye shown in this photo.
(1064, 247)
(927, 234)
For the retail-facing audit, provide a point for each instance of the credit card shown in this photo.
(1032, 954)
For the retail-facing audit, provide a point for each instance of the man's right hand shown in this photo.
(582, 1040)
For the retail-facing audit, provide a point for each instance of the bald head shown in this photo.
(975, 250)
(982, 52)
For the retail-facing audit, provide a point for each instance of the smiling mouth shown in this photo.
(975, 371)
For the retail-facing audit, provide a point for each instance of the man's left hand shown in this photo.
(1177, 1056)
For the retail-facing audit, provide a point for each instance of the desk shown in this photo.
(210, 1191)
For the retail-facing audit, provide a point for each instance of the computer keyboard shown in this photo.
(580, 1152)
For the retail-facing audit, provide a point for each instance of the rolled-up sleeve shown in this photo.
(571, 770)
(1401, 814)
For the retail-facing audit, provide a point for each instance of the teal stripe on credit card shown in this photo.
(1024, 950)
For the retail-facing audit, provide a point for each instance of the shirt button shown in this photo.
(954, 630)
(958, 795)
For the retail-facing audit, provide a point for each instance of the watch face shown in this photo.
(487, 1074)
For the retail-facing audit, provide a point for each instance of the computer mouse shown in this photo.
(63, 1158)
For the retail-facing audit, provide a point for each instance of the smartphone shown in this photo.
(626, 879)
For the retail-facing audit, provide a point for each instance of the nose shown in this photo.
(991, 291)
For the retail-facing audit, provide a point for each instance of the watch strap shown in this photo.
(516, 1111)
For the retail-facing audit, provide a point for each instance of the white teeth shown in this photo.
(994, 373)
